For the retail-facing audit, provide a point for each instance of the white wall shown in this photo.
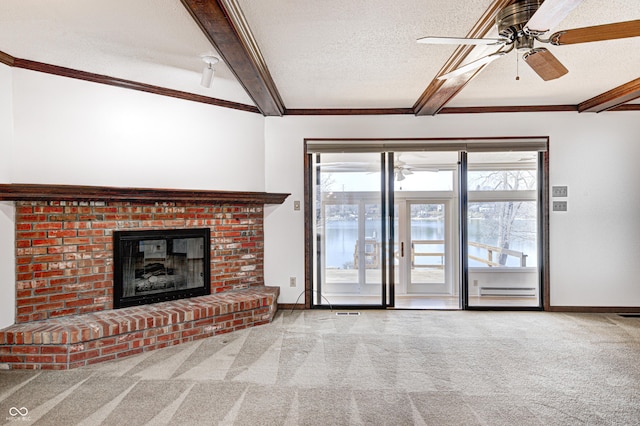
(74, 132)
(7, 223)
(594, 246)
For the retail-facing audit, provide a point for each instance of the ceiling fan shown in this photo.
(401, 170)
(527, 21)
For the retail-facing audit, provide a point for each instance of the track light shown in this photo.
(208, 71)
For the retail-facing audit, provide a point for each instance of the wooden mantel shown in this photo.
(41, 192)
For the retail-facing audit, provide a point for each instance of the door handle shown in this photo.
(402, 249)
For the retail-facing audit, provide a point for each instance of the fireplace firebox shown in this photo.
(152, 266)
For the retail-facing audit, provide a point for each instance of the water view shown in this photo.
(341, 236)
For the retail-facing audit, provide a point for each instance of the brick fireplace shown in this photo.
(64, 271)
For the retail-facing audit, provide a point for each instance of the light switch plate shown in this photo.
(296, 205)
(559, 191)
(559, 206)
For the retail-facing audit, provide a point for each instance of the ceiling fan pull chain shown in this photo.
(517, 67)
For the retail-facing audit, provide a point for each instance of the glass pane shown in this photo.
(372, 247)
(503, 234)
(502, 171)
(349, 232)
(502, 223)
(427, 245)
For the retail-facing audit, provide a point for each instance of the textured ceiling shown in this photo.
(320, 54)
(355, 54)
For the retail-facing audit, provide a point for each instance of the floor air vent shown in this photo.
(347, 314)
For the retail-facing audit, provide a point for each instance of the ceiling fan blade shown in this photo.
(472, 65)
(461, 40)
(597, 33)
(549, 14)
(547, 66)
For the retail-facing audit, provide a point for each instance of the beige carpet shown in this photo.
(381, 367)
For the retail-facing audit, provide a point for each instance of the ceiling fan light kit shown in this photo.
(522, 23)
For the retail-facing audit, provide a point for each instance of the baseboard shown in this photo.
(291, 306)
(596, 309)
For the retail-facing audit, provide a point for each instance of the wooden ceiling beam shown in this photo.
(440, 92)
(612, 98)
(7, 59)
(224, 25)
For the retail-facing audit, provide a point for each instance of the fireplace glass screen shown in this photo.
(159, 265)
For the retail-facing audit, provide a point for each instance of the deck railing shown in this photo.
(491, 250)
(372, 254)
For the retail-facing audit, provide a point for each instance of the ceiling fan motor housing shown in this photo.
(512, 19)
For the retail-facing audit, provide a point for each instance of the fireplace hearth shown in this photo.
(152, 266)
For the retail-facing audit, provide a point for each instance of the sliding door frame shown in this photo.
(388, 299)
(542, 228)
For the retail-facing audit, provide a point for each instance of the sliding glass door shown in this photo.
(503, 229)
(350, 229)
(426, 229)
(430, 228)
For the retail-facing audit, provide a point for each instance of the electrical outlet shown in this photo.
(559, 191)
(559, 206)
(296, 205)
(292, 281)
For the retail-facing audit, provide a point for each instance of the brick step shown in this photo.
(73, 341)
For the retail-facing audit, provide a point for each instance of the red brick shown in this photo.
(48, 274)
(62, 312)
(25, 350)
(101, 359)
(168, 337)
(91, 308)
(77, 225)
(48, 225)
(50, 306)
(69, 233)
(115, 348)
(104, 225)
(38, 358)
(31, 301)
(106, 342)
(48, 349)
(90, 233)
(91, 278)
(63, 281)
(78, 302)
(56, 257)
(82, 356)
(46, 242)
(31, 217)
(62, 297)
(11, 359)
